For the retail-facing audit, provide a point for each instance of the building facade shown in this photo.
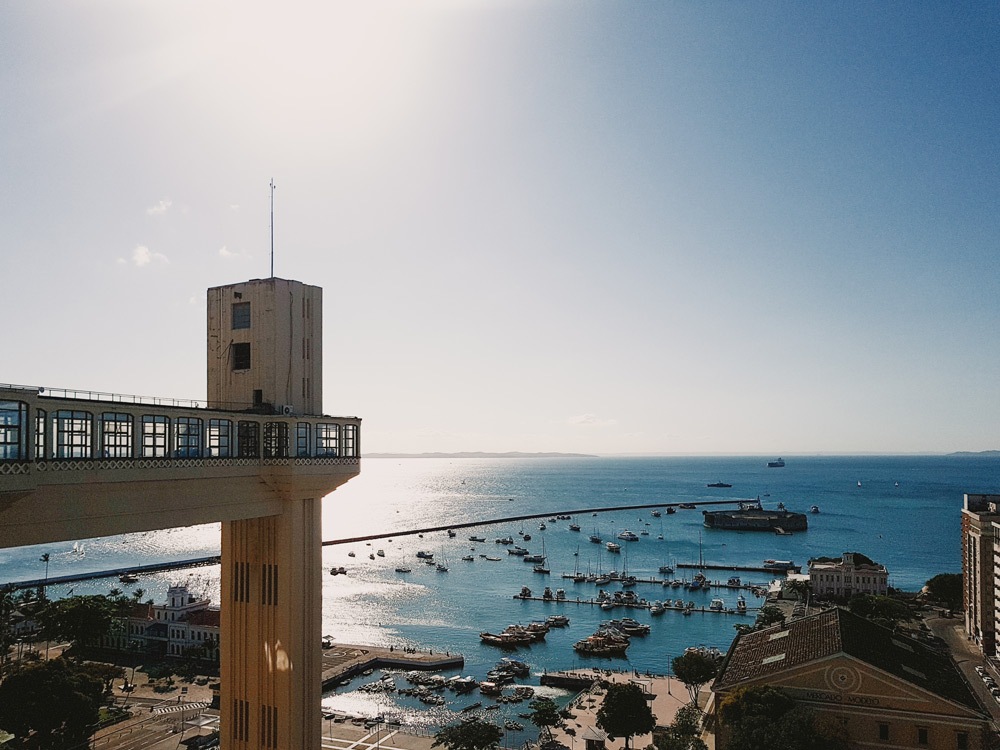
(852, 573)
(980, 516)
(880, 689)
(184, 626)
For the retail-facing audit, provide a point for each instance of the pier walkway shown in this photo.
(95, 574)
(512, 519)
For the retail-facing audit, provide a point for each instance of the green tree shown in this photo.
(469, 734)
(947, 588)
(545, 715)
(800, 587)
(694, 669)
(880, 609)
(55, 702)
(684, 732)
(761, 717)
(625, 712)
(78, 619)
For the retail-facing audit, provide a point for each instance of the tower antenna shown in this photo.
(272, 227)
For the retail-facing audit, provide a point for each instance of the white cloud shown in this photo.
(235, 207)
(225, 252)
(590, 420)
(160, 208)
(143, 256)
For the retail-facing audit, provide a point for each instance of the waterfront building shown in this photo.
(851, 573)
(173, 629)
(884, 689)
(259, 457)
(980, 519)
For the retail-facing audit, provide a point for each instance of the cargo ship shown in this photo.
(751, 516)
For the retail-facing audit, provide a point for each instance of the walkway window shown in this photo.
(921, 735)
(302, 439)
(219, 438)
(276, 440)
(248, 439)
(116, 435)
(187, 437)
(241, 356)
(883, 732)
(962, 741)
(241, 315)
(73, 434)
(41, 433)
(154, 436)
(350, 440)
(13, 436)
(327, 439)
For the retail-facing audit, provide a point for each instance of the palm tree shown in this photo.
(45, 559)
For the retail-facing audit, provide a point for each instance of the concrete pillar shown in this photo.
(271, 623)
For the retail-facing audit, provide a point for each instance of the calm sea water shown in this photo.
(912, 528)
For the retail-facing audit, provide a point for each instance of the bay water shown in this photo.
(902, 511)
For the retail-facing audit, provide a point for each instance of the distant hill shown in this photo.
(992, 454)
(479, 454)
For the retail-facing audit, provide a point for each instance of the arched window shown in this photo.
(73, 431)
(13, 435)
(116, 435)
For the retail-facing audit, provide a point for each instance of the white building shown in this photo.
(172, 629)
(850, 574)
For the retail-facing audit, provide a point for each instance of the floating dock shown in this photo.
(343, 661)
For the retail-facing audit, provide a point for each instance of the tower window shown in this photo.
(241, 356)
(241, 315)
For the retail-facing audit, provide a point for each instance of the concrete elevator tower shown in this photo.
(265, 353)
(265, 346)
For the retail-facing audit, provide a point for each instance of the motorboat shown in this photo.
(547, 594)
(451, 533)
(128, 578)
(717, 605)
(380, 553)
(666, 569)
(541, 569)
(477, 539)
(505, 540)
(741, 604)
(423, 555)
(525, 593)
(574, 527)
(613, 547)
(814, 509)
(671, 510)
(441, 568)
(776, 464)
(519, 551)
(541, 526)
(596, 538)
(558, 621)
(657, 608)
(655, 513)
(350, 554)
(628, 536)
(719, 485)
(686, 506)
(468, 558)
(341, 571)
(403, 569)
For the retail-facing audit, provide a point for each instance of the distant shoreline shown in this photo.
(479, 454)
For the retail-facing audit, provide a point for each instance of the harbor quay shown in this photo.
(342, 661)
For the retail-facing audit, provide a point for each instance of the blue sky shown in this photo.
(578, 226)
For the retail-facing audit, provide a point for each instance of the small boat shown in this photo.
(776, 464)
(128, 578)
(741, 604)
(558, 621)
(541, 569)
(814, 509)
(734, 581)
(403, 569)
(685, 506)
(657, 608)
(341, 571)
(628, 536)
(371, 555)
(547, 594)
(781, 532)
(425, 555)
(441, 568)
(477, 539)
(717, 605)
(350, 554)
(613, 547)
(541, 526)
(451, 533)
(468, 558)
(666, 569)
(655, 513)
(525, 593)
(671, 510)
(644, 532)
(491, 559)
(596, 538)
(505, 540)
(472, 707)
(574, 527)
(719, 484)
(527, 537)
(859, 483)
(380, 553)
